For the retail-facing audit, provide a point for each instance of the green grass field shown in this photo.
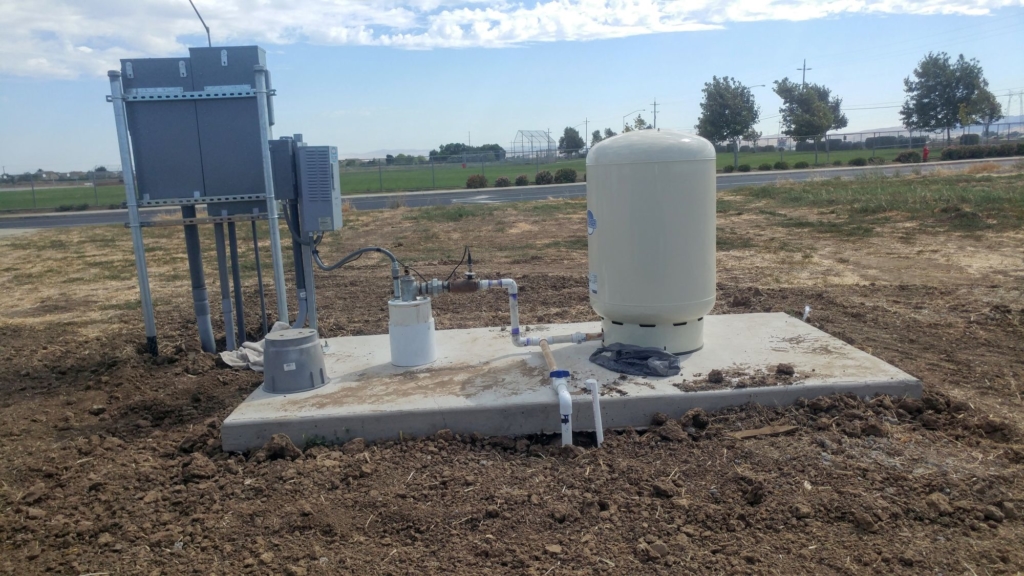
(53, 198)
(443, 176)
(401, 178)
(755, 159)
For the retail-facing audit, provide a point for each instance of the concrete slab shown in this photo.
(481, 383)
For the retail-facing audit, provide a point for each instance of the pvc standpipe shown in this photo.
(411, 331)
(595, 390)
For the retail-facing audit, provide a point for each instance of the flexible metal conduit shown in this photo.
(351, 257)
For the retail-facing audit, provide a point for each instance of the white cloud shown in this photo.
(68, 38)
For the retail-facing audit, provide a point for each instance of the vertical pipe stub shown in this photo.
(411, 331)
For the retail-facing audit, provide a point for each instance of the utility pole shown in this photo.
(655, 105)
(469, 135)
(804, 70)
(586, 130)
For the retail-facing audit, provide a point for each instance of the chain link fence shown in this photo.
(25, 188)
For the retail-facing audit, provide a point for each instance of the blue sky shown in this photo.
(408, 76)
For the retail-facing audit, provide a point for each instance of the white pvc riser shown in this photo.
(481, 383)
(411, 333)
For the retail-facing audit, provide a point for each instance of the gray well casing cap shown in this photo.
(293, 361)
(642, 146)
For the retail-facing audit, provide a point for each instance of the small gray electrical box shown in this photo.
(319, 189)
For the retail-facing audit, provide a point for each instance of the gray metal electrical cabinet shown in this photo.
(185, 142)
(164, 132)
(319, 189)
(282, 163)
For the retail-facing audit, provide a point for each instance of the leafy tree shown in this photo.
(389, 159)
(809, 111)
(986, 108)
(937, 90)
(608, 133)
(101, 169)
(640, 124)
(456, 150)
(727, 112)
(571, 141)
(595, 137)
(752, 136)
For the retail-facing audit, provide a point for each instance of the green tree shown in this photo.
(608, 133)
(595, 137)
(809, 111)
(571, 141)
(937, 89)
(986, 109)
(752, 136)
(727, 112)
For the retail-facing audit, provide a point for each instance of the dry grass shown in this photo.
(984, 168)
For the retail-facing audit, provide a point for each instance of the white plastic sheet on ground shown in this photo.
(250, 355)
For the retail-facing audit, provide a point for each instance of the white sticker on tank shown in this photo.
(288, 367)
(593, 283)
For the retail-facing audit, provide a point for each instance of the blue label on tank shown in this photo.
(591, 223)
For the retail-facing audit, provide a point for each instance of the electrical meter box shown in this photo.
(319, 190)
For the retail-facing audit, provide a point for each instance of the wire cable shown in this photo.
(465, 250)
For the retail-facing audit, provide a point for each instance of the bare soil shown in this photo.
(111, 459)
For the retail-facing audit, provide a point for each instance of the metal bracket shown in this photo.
(201, 220)
(242, 92)
(203, 200)
(146, 91)
(128, 70)
(223, 57)
(181, 68)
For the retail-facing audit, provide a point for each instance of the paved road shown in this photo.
(486, 195)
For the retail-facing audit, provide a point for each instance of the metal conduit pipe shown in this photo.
(292, 219)
(310, 299)
(259, 281)
(200, 296)
(225, 291)
(236, 279)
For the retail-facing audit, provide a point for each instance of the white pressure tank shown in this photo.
(651, 238)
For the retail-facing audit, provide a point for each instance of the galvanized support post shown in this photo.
(117, 97)
(268, 180)
(433, 179)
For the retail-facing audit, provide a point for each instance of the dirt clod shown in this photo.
(97, 410)
(939, 503)
(785, 370)
(672, 431)
(664, 488)
(356, 446)
(553, 549)
(801, 510)
(280, 446)
(865, 522)
(659, 418)
(696, 418)
(992, 513)
(716, 377)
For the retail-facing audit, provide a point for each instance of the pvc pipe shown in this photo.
(595, 391)
(225, 291)
(236, 279)
(200, 296)
(268, 182)
(512, 288)
(560, 384)
(127, 172)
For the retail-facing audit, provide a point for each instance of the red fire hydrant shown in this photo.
(924, 153)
